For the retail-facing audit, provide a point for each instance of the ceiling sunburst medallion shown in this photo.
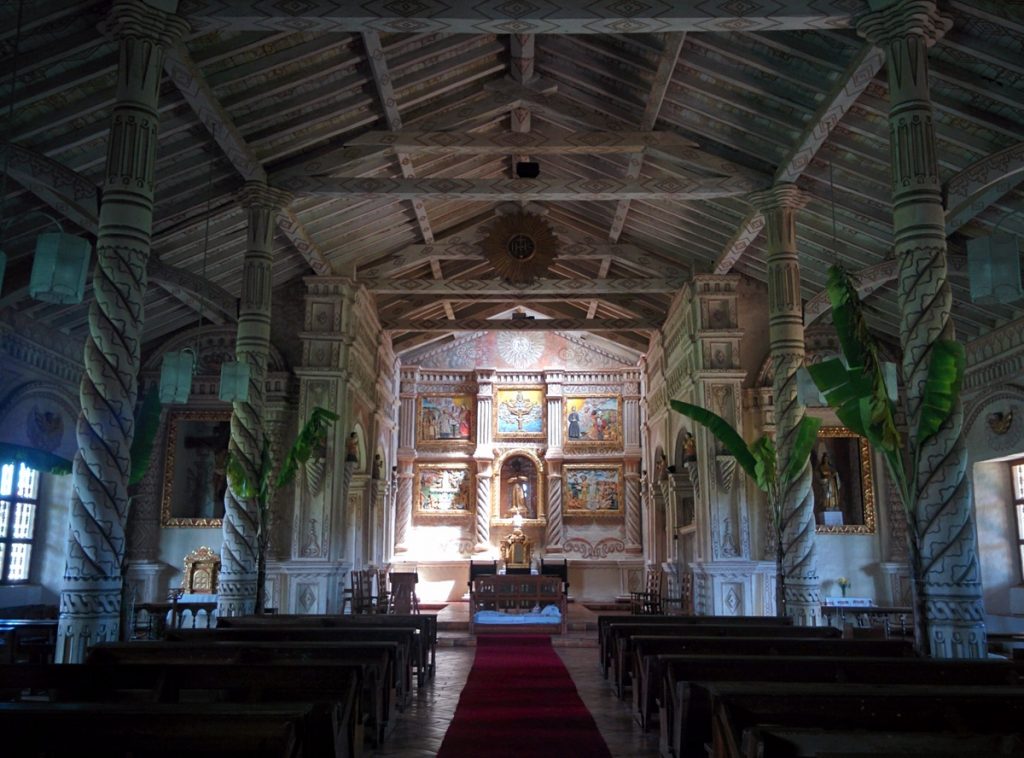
(520, 246)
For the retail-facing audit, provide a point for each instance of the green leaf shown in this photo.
(37, 459)
(942, 387)
(240, 483)
(312, 436)
(147, 420)
(764, 453)
(725, 434)
(843, 389)
(803, 443)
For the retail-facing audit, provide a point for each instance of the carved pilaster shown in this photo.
(403, 507)
(482, 530)
(633, 516)
(554, 534)
(242, 524)
(786, 333)
(90, 599)
(948, 580)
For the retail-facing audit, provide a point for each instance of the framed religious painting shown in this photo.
(444, 420)
(842, 482)
(444, 490)
(592, 423)
(195, 468)
(594, 490)
(519, 413)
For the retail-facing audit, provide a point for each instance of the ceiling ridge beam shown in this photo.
(516, 190)
(859, 75)
(569, 288)
(523, 324)
(564, 17)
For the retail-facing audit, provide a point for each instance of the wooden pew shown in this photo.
(685, 716)
(604, 622)
(157, 730)
(407, 641)
(648, 650)
(332, 728)
(426, 655)
(842, 708)
(620, 638)
(375, 658)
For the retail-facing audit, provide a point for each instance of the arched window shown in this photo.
(19, 489)
(1017, 484)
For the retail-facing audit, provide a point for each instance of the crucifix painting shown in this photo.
(519, 413)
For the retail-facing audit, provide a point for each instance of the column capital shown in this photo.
(908, 18)
(784, 195)
(137, 19)
(260, 195)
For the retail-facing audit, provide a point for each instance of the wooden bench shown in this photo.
(620, 638)
(333, 728)
(604, 622)
(647, 667)
(517, 594)
(844, 709)
(376, 659)
(425, 657)
(160, 730)
(685, 718)
(28, 640)
(407, 641)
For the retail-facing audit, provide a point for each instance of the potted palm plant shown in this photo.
(310, 438)
(760, 461)
(867, 405)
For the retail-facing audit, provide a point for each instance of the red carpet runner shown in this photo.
(520, 701)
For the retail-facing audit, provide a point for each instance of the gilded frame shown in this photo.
(514, 404)
(435, 422)
(499, 492)
(607, 500)
(186, 468)
(585, 434)
(444, 491)
(851, 455)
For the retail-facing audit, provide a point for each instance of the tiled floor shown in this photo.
(420, 730)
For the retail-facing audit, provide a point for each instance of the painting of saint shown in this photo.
(593, 420)
(443, 490)
(445, 418)
(593, 490)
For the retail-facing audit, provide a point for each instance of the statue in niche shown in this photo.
(519, 491)
(352, 449)
(829, 483)
(689, 448)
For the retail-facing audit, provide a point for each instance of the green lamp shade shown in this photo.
(59, 268)
(993, 265)
(234, 381)
(176, 377)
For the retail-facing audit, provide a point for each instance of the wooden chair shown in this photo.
(647, 601)
(362, 591)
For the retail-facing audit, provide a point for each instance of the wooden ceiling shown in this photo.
(397, 126)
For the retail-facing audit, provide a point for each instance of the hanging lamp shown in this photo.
(234, 381)
(59, 268)
(993, 267)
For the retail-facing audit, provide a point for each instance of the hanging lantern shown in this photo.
(176, 376)
(993, 264)
(807, 392)
(59, 268)
(234, 382)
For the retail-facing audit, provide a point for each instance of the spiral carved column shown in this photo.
(403, 507)
(786, 333)
(482, 522)
(948, 576)
(236, 594)
(634, 534)
(554, 533)
(406, 456)
(91, 596)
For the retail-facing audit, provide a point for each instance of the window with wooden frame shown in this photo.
(19, 491)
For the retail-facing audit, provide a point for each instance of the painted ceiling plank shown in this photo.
(542, 17)
(467, 143)
(859, 74)
(189, 80)
(288, 222)
(659, 188)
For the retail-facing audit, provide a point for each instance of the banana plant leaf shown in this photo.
(147, 420)
(848, 317)
(942, 387)
(312, 435)
(806, 436)
(764, 453)
(37, 459)
(723, 432)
